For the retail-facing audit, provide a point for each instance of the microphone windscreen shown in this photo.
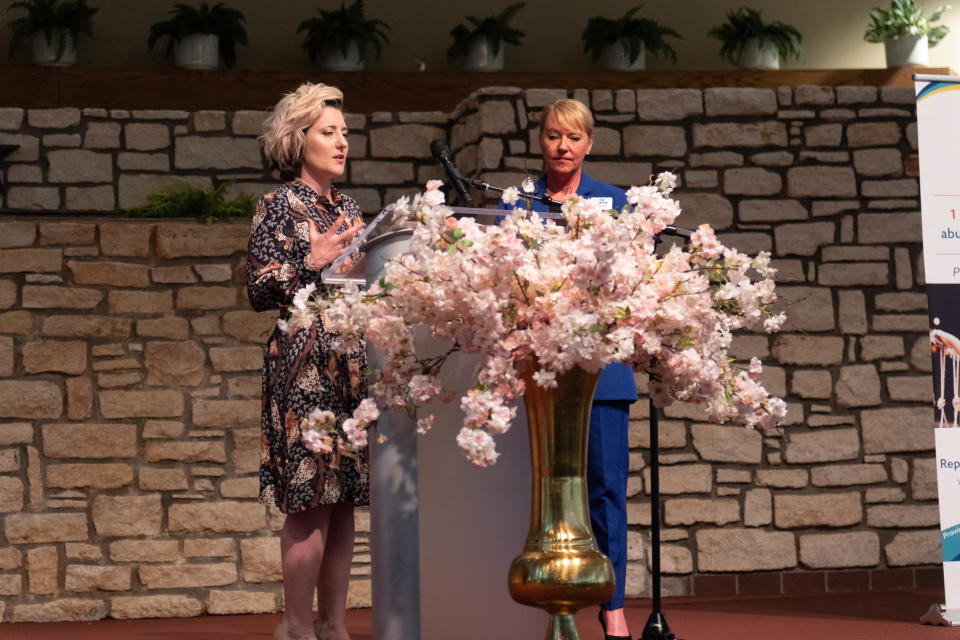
(439, 148)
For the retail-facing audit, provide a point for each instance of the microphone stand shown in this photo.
(657, 627)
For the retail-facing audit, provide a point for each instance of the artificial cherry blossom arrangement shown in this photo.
(549, 296)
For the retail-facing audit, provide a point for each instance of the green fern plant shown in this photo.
(187, 201)
(637, 33)
(496, 29)
(335, 30)
(744, 24)
(54, 19)
(225, 23)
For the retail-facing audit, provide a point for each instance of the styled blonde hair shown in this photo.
(284, 131)
(570, 112)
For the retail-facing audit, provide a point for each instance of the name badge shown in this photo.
(605, 202)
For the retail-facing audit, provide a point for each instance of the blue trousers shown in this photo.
(608, 462)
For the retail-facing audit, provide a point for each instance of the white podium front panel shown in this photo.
(473, 523)
(431, 508)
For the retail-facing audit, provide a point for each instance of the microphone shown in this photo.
(441, 153)
(677, 232)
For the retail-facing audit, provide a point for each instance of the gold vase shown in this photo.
(561, 569)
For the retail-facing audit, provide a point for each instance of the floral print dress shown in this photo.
(302, 371)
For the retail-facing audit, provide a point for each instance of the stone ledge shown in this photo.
(174, 89)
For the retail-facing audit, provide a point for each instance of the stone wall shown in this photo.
(129, 358)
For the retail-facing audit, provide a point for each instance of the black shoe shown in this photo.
(603, 625)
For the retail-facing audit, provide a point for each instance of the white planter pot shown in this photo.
(45, 53)
(198, 51)
(906, 50)
(481, 58)
(754, 56)
(615, 56)
(336, 61)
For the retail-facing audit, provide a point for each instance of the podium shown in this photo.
(443, 532)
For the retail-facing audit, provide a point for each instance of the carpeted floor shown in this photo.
(875, 615)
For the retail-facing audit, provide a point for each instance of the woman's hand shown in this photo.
(327, 246)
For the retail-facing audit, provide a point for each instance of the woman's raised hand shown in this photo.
(326, 246)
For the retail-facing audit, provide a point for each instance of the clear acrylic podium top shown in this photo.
(380, 226)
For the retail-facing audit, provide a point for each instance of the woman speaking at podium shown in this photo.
(297, 230)
(566, 137)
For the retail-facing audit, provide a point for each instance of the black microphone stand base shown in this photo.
(657, 628)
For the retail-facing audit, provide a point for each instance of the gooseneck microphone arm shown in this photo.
(441, 153)
(545, 199)
(678, 232)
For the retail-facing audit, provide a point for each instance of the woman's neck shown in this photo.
(563, 184)
(322, 187)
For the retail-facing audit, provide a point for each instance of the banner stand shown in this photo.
(938, 138)
(937, 615)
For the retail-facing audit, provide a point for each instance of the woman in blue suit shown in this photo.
(566, 137)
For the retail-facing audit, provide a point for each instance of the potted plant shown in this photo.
(905, 33)
(199, 38)
(54, 27)
(480, 48)
(340, 38)
(208, 204)
(750, 43)
(622, 44)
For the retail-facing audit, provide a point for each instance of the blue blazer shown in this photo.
(616, 380)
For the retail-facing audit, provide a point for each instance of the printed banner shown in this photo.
(938, 138)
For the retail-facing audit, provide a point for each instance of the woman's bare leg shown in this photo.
(334, 575)
(303, 544)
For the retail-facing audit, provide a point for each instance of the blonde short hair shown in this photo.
(570, 112)
(284, 131)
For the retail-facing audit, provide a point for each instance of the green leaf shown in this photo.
(745, 24)
(597, 328)
(904, 17)
(457, 233)
(495, 29)
(636, 34)
(226, 23)
(187, 201)
(386, 286)
(54, 19)
(336, 30)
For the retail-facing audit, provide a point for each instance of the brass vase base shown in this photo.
(562, 628)
(561, 569)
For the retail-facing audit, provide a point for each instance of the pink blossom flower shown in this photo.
(510, 195)
(584, 293)
(367, 411)
(317, 441)
(666, 182)
(355, 432)
(706, 240)
(478, 445)
(425, 424)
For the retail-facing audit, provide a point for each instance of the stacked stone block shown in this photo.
(129, 443)
(97, 160)
(129, 359)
